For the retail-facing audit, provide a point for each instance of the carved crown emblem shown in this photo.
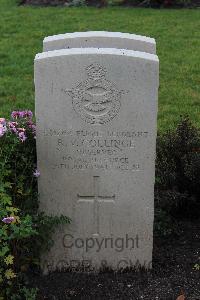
(96, 100)
(95, 71)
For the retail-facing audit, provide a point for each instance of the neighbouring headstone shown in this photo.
(100, 39)
(96, 115)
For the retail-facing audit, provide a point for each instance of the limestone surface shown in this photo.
(96, 113)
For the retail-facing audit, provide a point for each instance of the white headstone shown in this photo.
(100, 39)
(96, 115)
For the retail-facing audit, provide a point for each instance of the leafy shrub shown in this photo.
(102, 3)
(178, 159)
(77, 3)
(162, 223)
(161, 3)
(178, 171)
(22, 229)
(151, 3)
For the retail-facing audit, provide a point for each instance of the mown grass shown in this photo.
(177, 33)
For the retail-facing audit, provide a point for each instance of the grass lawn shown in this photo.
(177, 33)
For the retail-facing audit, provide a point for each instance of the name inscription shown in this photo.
(95, 150)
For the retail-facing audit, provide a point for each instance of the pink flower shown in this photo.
(3, 121)
(22, 136)
(15, 114)
(28, 114)
(21, 129)
(22, 114)
(33, 129)
(3, 130)
(12, 126)
(29, 123)
(32, 126)
(8, 220)
(36, 173)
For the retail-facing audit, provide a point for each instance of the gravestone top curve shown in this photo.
(100, 39)
(72, 35)
(103, 51)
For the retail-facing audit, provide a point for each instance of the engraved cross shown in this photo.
(96, 199)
